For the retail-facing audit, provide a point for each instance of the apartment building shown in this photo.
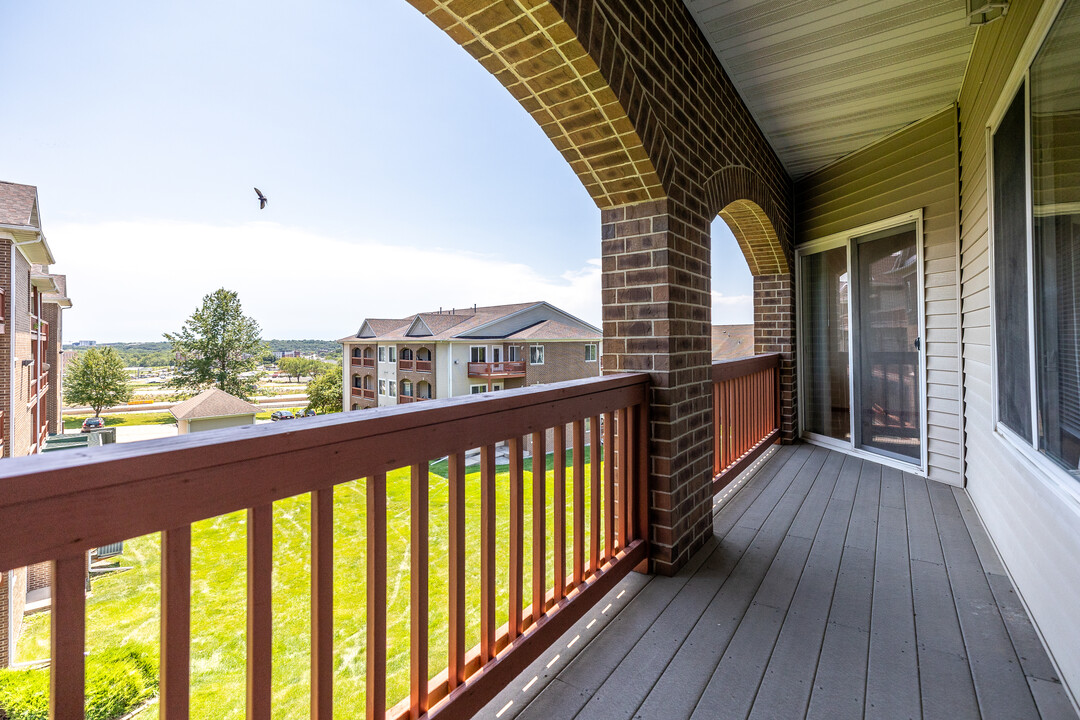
(32, 301)
(461, 352)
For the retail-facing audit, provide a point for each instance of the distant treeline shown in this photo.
(158, 354)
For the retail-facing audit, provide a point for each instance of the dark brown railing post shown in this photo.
(418, 591)
(376, 597)
(175, 670)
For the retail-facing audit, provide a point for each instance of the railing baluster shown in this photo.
(579, 502)
(376, 597)
(175, 671)
(641, 482)
(609, 485)
(456, 532)
(488, 529)
(596, 499)
(260, 620)
(623, 470)
(418, 591)
(322, 603)
(559, 509)
(67, 674)
(517, 535)
(539, 525)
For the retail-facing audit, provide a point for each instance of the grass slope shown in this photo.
(124, 606)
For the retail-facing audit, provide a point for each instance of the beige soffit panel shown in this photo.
(825, 78)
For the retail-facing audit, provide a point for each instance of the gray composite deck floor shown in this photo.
(833, 588)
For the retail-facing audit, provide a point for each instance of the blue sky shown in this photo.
(401, 176)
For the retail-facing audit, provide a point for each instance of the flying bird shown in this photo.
(262, 198)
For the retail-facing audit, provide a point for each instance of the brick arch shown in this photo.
(742, 199)
(535, 54)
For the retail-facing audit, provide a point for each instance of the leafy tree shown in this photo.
(318, 368)
(293, 366)
(218, 346)
(96, 378)
(324, 392)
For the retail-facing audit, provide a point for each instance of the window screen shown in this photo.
(1055, 176)
(1010, 271)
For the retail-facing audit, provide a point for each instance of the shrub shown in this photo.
(117, 681)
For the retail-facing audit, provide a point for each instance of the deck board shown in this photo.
(834, 588)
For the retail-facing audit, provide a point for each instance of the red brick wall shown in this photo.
(38, 576)
(646, 116)
(774, 332)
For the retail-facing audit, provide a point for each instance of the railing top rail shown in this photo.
(731, 369)
(60, 503)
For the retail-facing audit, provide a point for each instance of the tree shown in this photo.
(218, 347)
(324, 392)
(96, 378)
(293, 366)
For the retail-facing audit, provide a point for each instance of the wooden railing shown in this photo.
(746, 413)
(56, 507)
(405, 364)
(497, 369)
(363, 394)
(363, 362)
(423, 366)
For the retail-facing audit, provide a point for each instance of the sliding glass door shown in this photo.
(860, 342)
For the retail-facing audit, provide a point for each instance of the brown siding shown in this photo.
(562, 361)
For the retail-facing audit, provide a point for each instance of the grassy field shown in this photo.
(124, 605)
(74, 422)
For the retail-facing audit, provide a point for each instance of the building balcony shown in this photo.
(830, 586)
(363, 362)
(513, 369)
(406, 365)
(362, 394)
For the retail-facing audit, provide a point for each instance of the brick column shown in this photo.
(657, 320)
(774, 332)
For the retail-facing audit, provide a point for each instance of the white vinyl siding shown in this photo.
(914, 169)
(1035, 522)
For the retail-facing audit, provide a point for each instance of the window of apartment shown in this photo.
(356, 381)
(382, 387)
(391, 354)
(590, 353)
(406, 388)
(513, 353)
(1036, 252)
(536, 354)
(382, 353)
(392, 387)
(477, 389)
(478, 353)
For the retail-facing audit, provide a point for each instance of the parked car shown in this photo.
(91, 424)
(309, 413)
(282, 415)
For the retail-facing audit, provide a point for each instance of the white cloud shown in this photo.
(136, 280)
(732, 309)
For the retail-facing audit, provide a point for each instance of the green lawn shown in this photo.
(74, 422)
(124, 606)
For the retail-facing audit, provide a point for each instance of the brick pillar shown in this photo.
(774, 332)
(656, 319)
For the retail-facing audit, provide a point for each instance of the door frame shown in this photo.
(848, 239)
